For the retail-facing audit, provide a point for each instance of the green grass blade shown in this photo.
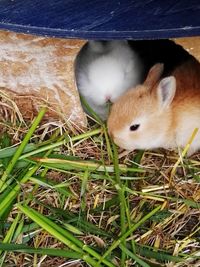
(33, 149)
(11, 231)
(10, 151)
(62, 142)
(43, 251)
(160, 255)
(84, 190)
(20, 149)
(51, 184)
(61, 164)
(9, 235)
(52, 228)
(76, 220)
(122, 199)
(13, 191)
(133, 256)
(129, 232)
(61, 234)
(90, 110)
(108, 143)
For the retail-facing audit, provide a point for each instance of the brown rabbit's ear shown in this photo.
(154, 75)
(166, 91)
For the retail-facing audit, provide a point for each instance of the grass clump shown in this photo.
(72, 198)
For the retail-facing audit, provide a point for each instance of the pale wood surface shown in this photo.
(36, 69)
(191, 44)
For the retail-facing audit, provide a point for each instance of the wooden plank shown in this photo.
(36, 71)
(100, 19)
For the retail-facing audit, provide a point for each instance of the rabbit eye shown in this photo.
(134, 127)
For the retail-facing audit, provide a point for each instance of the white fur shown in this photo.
(185, 129)
(108, 75)
(125, 138)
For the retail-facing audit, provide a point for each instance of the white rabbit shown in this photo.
(162, 112)
(104, 71)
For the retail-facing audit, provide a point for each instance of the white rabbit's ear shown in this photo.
(96, 46)
(154, 75)
(166, 91)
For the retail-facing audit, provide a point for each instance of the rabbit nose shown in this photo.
(117, 140)
(113, 136)
(108, 97)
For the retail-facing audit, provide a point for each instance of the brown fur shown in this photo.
(187, 97)
(144, 100)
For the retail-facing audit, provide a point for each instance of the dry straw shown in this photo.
(74, 197)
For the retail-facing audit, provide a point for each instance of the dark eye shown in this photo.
(134, 127)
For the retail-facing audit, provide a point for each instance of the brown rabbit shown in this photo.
(161, 112)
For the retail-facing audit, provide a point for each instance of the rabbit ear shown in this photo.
(154, 75)
(96, 46)
(166, 91)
